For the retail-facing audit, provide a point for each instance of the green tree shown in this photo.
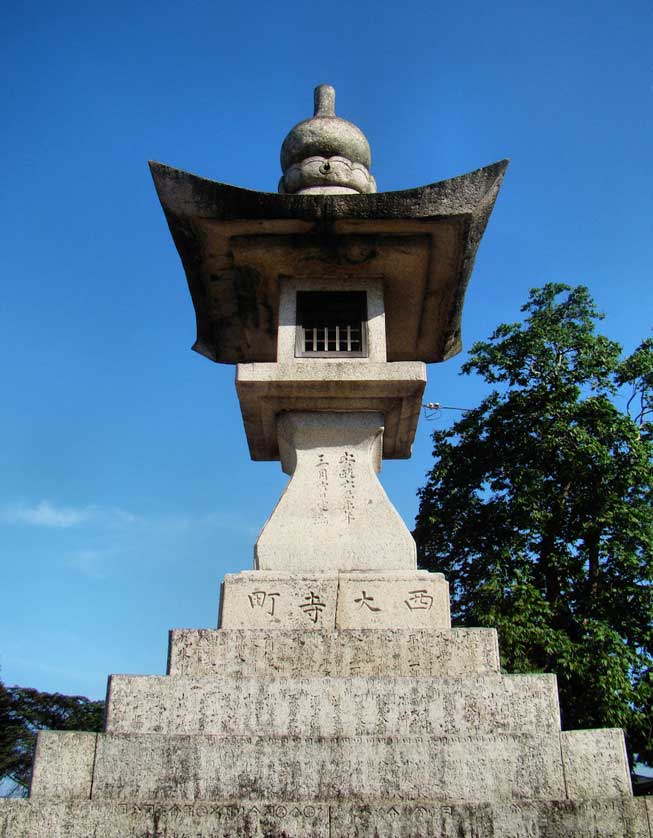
(25, 711)
(538, 509)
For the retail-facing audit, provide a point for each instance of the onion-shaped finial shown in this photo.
(326, 154)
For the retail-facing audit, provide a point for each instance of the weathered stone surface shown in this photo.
(265, 599)
(393, 600)
(474, 768)
(63, 765)
(270, 599)
(339, 707)
(298, 819)
(326, 384)
(220, 819)
(517, 819)
(411, 653)
(596, 763)
(229, 240)
(334, 514)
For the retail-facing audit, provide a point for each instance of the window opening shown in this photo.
(331, 323)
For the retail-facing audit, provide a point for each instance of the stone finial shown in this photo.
(324, 100)
(326, 154)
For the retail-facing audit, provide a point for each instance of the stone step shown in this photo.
(136, 767)
(593, 818)
(296, 653)
(340, 706)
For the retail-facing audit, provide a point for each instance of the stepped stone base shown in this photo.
(284, 732)
(624, 818)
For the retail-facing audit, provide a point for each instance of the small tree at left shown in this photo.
(25, 711)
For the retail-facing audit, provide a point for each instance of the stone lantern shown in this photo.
(331, 299)
(334, 700)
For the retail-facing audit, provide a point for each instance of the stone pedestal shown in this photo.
(293, 721)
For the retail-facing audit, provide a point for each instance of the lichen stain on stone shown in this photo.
(271, 326)
(246, 284)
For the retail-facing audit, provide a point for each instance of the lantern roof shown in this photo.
(237, 244)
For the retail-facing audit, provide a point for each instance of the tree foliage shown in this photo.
(25, 711)
(538, 509)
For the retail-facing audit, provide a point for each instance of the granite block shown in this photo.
(625, 818)
(215, 819)
(363, 768)
(260, 599)
(393, 600)
(63, 765)
(289, 653)
(596, 763)
(340, 706)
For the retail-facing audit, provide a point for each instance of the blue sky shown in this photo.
(126, 490)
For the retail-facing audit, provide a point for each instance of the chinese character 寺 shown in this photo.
(313, 606)
(257, 599)
(365, 600)
(419, 601)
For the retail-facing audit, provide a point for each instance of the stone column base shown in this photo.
(334, 514)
